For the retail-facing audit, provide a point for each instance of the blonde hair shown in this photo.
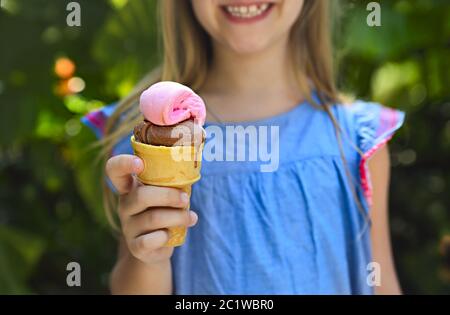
(187, 53)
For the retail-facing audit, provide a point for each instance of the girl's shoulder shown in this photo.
(96, 120)
(369, 124)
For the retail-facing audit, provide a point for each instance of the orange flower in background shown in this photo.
(64, 68)
(68, 84)
(62, 88)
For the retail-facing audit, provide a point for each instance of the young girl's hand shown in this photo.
(146, 211)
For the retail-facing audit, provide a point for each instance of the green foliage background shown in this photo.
(50, 205)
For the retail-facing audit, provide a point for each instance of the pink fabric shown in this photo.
(97, 121)
(364, 167)
(168, 103)
(364, 171)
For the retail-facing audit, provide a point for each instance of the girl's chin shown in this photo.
(244, 48)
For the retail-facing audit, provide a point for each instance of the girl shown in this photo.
(312, 226)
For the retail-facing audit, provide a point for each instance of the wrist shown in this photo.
(133, 262)
(131, 275)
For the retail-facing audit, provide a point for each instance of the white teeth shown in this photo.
(247, 11)
(230, 9)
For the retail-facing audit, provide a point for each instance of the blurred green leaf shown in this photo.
(79, 105)
(392, 77)
(19, 252)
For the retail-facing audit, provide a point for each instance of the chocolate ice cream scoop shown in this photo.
(185, 133)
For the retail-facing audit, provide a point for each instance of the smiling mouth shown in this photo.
(247, 12)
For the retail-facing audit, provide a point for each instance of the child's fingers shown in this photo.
(156, 219)
(149, 247)
(119, 170)
(142, 245)
(193, 218)
(147, 196)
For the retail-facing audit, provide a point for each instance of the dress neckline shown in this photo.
(263, 121)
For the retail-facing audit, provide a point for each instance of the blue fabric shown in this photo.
(297, 230)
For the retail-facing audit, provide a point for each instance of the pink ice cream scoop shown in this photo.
(168, 103)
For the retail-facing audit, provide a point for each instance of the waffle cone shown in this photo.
(177, 167)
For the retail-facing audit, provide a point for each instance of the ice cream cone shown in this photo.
(177, 167)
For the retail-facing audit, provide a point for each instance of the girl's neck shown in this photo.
(250, 73)
(251, 86)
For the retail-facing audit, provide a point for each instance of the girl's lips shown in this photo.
(248, 13)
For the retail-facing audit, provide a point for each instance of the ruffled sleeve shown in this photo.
(375, 125)
(96, 120)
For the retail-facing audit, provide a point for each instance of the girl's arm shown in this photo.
(379, 167)
(145, 213)
(132, 276)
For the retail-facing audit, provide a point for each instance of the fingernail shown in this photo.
(192, 218)
(137, 164)
(184, 197)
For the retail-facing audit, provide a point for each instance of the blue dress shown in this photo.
(296, 229)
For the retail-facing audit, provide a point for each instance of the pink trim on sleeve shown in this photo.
(388, 122)
(97, 120)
